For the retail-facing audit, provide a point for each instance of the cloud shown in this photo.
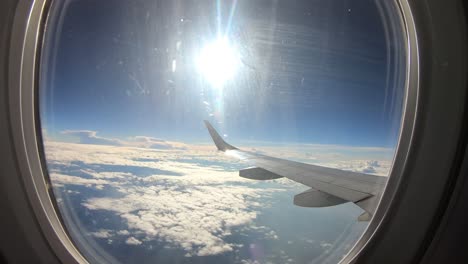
(370, 167)
(155, 143)
(379, 168)
(373, 163)
(192, 213)
(196, 207)
(195, 211)
(123, 232)
(62, 179)
(103, 233)
(90, 137)
(133, 241)
(368, 170)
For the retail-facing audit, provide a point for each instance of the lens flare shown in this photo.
(218, 62)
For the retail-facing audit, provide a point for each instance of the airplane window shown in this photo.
(220, 131)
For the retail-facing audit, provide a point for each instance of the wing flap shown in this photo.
(336, 190)
(316, 198)
(258, 174)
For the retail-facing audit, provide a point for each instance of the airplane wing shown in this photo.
(328, 186)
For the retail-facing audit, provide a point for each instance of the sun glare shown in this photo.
(218, 62)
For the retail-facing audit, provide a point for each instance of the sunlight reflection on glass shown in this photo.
(218, 62)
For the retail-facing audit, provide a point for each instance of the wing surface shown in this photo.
(328, 186)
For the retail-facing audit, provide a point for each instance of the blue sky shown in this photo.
(314, 72)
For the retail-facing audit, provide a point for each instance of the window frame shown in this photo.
(28, 28)
(399, 210)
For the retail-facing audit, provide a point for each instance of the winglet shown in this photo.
(217, 139)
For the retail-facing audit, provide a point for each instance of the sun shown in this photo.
(218, 62)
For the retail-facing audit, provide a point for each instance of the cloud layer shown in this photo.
(193, 211)
(91, 137)
(187, 196)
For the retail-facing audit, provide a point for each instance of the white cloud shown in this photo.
(133, 241)
(155, 143)
(195, 211)
(103, 233)
(90, 137)
(123, 232)
(380, 167)
(189, 211)
(373, 163)
(61, 179)
(183, 201)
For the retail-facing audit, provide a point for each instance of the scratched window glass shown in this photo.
(220, 131)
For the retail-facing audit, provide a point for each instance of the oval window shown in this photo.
(302, 103)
